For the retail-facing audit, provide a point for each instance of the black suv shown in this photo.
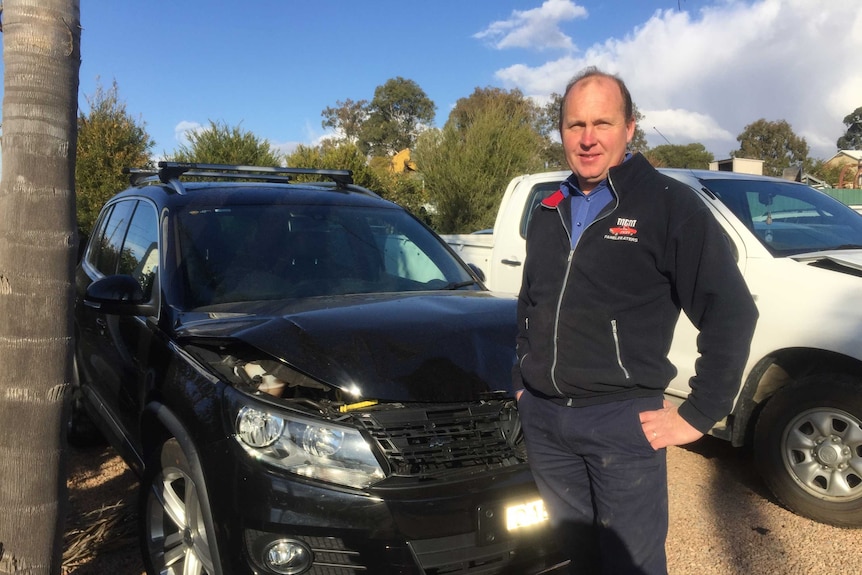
(306, 379)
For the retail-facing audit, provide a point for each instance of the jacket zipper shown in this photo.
(566, 282)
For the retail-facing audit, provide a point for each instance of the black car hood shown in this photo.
(436, 347)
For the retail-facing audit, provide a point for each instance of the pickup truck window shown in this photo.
(537, 194)
(788, 218)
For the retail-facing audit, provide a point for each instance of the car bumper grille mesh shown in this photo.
(430, 440)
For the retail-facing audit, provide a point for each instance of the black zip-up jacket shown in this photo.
(595, 323)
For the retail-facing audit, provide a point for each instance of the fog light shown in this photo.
(287, 556)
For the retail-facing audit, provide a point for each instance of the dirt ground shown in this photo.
(101, 519)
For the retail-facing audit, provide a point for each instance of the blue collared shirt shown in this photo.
(586, 207)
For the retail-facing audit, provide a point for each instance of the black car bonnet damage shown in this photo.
(431, 347)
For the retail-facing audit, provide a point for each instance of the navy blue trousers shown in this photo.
(604, 486)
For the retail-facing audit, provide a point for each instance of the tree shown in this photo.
(639, 141)
(346, 119)
(774, 143)
(694, 156)
(223, 144)
(332, 155)
(404, 189)
(399, 110)
(42, 55)
(109, 139)
(829, 174)
(548, 124)
(852, 138)
(467, 165)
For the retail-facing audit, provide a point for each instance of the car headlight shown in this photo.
(312, 448)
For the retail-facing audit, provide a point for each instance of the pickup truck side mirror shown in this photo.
(478, 271)
(118, 295)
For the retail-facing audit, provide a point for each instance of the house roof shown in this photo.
(855, 155)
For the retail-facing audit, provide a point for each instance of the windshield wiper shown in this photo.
(458, 285)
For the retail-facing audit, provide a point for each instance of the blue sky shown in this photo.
(699, 70)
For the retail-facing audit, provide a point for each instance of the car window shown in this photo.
(244, 253)
(790, 218)
(537, 194)
(108, 242)
(140, 253)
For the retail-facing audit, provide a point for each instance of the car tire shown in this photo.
(808, 448)
(174, 516)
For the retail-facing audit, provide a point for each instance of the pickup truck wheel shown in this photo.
(808, 448)
(173, 517)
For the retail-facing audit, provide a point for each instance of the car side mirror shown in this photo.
(118, 295)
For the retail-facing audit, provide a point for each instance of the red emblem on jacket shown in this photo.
(623, 231)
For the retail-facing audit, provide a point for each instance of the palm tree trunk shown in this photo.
(41, 56)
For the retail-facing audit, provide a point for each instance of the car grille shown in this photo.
(433, 440)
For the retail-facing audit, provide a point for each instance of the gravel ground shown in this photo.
(723, 520)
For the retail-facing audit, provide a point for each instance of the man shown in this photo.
(611, 258)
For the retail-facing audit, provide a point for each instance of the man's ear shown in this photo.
(630, 132)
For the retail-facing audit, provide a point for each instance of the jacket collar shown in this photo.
(554, 200)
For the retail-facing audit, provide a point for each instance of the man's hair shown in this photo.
(593, 72)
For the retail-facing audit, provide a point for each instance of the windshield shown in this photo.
(258, 252)
(790, 218)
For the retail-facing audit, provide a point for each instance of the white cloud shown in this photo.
(682, 127)
(708, 75)
(285, 148)
(536, 29)
(182, 130)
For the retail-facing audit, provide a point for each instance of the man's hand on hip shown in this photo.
(666, 427)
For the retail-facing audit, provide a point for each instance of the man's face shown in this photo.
(594, 129)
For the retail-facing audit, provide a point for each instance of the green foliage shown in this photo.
(334, 156)
(404, 189)
(467, 165)
(774, 143)
(693, 156)
(852, 138)
(346, 119)
(829, 174)
(223, 144)
(553, 155)
(639, 141)
(109, 139)
(396, 115)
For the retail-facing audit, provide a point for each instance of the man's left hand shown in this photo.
(666, 427)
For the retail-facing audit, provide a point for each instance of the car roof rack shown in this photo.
(170, 173)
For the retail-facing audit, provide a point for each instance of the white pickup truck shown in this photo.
(800, 401)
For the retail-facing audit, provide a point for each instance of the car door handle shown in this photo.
(510, 262)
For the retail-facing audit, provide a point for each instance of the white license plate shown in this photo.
(525, 514)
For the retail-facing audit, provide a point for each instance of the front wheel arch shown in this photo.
(172, 434)
(808, 447)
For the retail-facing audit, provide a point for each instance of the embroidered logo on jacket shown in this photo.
(625, 230)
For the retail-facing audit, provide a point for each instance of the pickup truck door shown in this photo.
(510, 238)
(683, 350)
